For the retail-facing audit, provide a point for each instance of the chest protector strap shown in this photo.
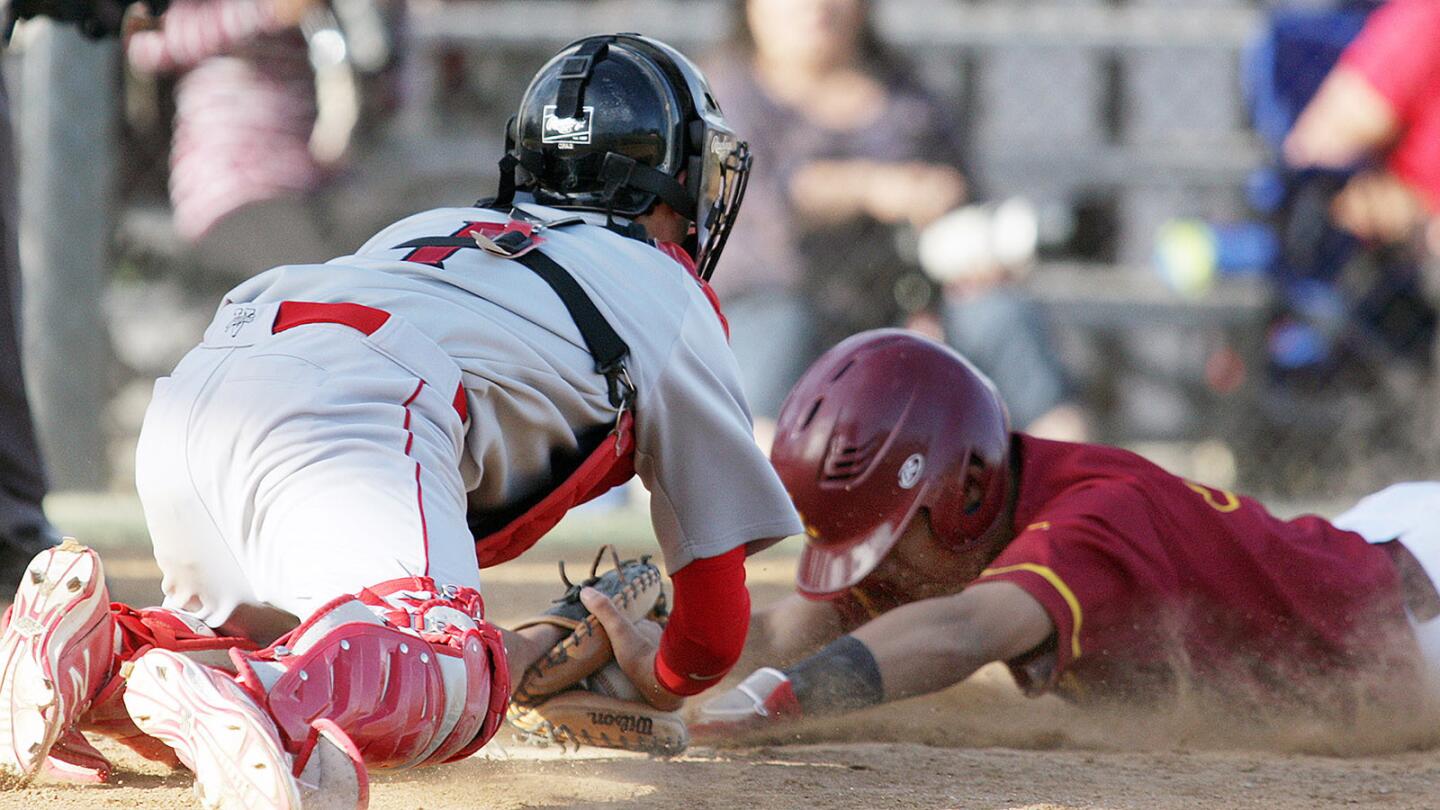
(506, 535)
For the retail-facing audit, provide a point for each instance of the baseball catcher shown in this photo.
(327, 473)
(938, 541)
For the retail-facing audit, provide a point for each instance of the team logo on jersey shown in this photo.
(565, 132)
(910, 471)
(242, 316)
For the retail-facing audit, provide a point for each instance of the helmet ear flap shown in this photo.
(694, 168)
(970, 503)
(695, 161)
(972, 488)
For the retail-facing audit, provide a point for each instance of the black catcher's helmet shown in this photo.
(615, 123)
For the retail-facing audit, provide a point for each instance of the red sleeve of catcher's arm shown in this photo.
(708, 626)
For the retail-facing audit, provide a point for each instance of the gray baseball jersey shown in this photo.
(531, 384)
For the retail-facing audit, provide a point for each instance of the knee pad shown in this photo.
(411, 673)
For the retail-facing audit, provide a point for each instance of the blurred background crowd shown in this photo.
(1206, 229)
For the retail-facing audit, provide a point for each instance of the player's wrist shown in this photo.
(525, 646)
(672, 681)
(661, 695)
(842, 677)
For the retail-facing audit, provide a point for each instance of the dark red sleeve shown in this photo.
(1084, 571)
(1396, 52)
(708, 625)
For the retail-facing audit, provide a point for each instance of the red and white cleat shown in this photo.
(55, 654)
(230, 743)
(233, 746)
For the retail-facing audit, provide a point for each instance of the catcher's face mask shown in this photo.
(718, 174)
(725, 171)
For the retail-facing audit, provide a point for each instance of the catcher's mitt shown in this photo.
(576, 693)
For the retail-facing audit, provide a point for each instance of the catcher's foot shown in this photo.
(233, 746)
(56, 648)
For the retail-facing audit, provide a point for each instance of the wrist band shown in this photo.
(841, 677)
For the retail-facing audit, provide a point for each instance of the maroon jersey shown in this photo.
(1146, 575)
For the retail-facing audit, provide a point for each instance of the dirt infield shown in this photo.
(980, 745)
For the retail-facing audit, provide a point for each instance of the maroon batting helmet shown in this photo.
(883, 425)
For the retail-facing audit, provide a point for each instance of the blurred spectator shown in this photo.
(24, 531)
(1382, 99)
(850, 152)
(242, 170)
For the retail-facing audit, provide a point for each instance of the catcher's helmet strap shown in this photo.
(514, 158)
(505, 194)
(575, 72)
(619, 171)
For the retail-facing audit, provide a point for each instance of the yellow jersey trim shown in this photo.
(865, 602)
(1060, 587)
(1230, 504)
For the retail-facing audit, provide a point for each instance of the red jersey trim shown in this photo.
(1076, 613)
(608, 466)
(419, 489)
(301, 313)
(367, 320)
(435, 256)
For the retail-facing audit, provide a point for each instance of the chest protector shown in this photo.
(606, 457)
